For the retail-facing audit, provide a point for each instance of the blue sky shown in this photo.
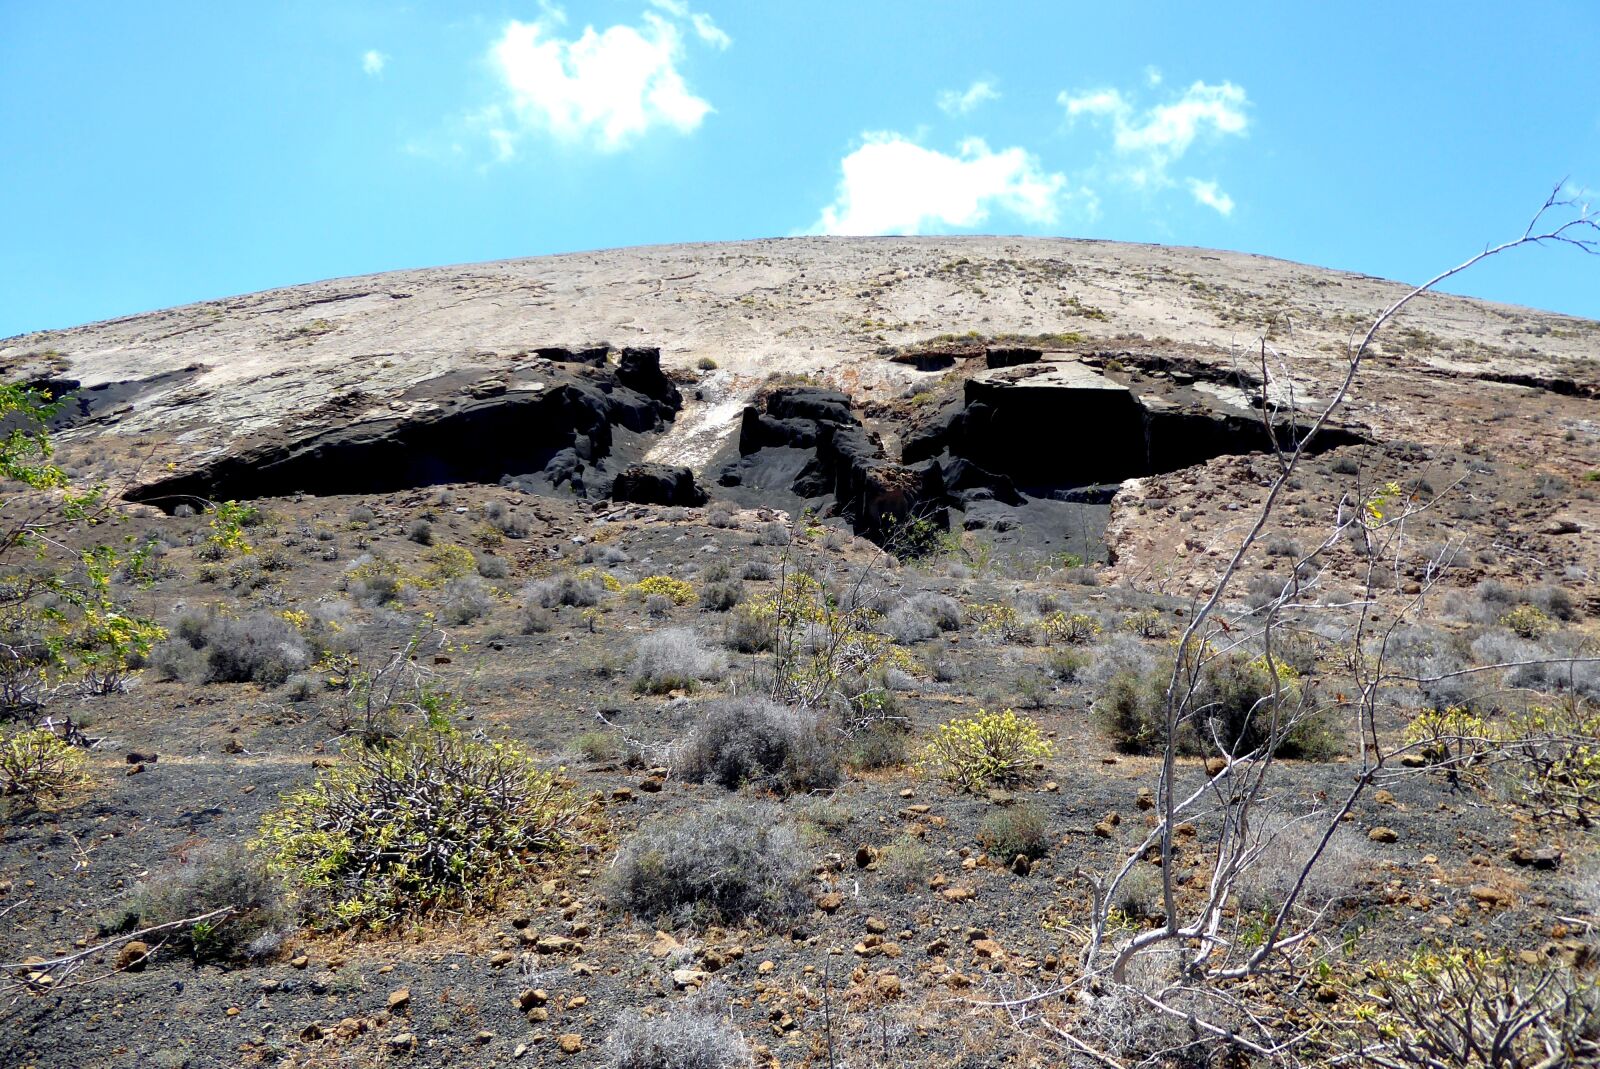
(165, 152)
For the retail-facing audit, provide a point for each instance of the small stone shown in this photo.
(652, 785)
(622, 794)
(556, 944)
(1536, 857)
(959, 894)
(503, 957)
(937, 948)
(830, 902)
(1104, 830)
(1383, 834)
(577, 1002)
(987, 948)
(1146, 799)
(1021, 865)
(403, 1041)
(569, 1042)
(299, 961)
(765, 967)
(686, 978)
(132, 956)
(400, 1000)
(1216, 766)
(531, 997)
(484, 1038)
(1489, 895)
(311, 1033)
(662, 945)
(888, 985)
(1383, 797)
(876, 926)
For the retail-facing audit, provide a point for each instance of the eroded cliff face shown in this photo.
(980, 382)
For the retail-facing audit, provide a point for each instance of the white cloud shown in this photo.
(891, 185)
(956, 102)
(1211, 196)
(373, 62)
(604, 88)
(709, 31)
(704, 26)
(1149, 142)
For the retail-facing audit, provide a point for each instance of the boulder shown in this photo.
(963, 478)
(592, 355)
(657, 484)
(997, 356)
(639, 369)
(810, 402)
(874, 493)
(759, 431)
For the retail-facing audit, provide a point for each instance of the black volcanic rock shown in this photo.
(639, 369)
(592, 355)
(657, 484)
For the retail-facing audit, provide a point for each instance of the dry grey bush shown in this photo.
(725, 863)
(1282, 851)
(906, 626)
(692, 1036)
(674, 658)
(749, 740)
(214, 877)
(564, 589)
(466, 599)
(259, 647)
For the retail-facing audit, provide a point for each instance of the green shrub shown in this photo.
(749, 630)
(38, 762)
(972, 754)
(724, 864)
(1015, 829)
(881, 744)
(431, 819)
(1078, 629)
(1131, 708)
(722, 595)
(1527, 621)
(598, 745)
(1233, 701)
(1067, 664)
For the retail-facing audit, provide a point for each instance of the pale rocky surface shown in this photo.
(279, 362)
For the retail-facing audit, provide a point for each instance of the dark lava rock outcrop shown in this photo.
(657, 484)
(810, 442)
(564, 428)
(1052, 426)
